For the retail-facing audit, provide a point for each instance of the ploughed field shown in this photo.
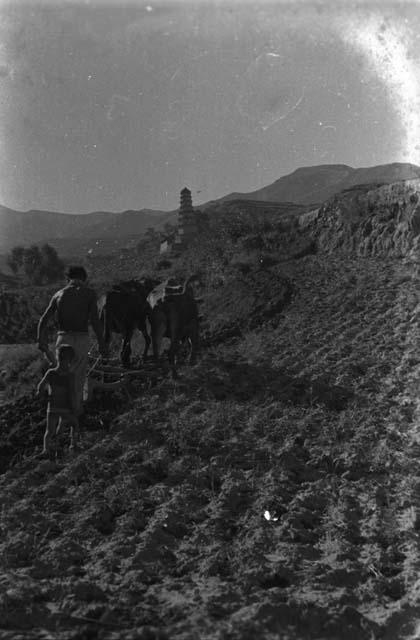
(271, 492)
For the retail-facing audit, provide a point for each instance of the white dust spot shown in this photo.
(386, 48)
(268, 516)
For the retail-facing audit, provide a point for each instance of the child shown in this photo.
(62, 400)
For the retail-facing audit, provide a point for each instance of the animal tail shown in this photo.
(105, 323)
(188, 281)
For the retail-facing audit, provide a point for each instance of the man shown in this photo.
(74, 309)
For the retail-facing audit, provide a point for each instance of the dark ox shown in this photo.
(124, 309)
(174, 315)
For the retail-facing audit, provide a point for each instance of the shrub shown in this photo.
(38, 265)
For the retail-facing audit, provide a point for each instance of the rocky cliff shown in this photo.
(371, 220)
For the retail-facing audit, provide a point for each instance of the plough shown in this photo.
(108, 374)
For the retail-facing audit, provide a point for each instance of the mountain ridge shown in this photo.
(305, 185)
(323, 183)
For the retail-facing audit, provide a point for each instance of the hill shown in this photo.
(316, 184)
(24, 228)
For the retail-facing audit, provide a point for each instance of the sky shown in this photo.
(108, 106)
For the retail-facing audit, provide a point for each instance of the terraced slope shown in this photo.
(273, 491)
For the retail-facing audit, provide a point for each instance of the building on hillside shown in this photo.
(167, 243)
(187, 227)
(165, 246)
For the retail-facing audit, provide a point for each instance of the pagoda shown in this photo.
(187, 228)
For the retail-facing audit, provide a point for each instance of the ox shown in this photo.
(122, 310)
(174, 315)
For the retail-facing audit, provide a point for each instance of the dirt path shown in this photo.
(273, 491)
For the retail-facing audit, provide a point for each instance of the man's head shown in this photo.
(65, 355)
(76, 273)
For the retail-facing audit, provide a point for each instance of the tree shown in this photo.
(15, 259)
(52, 268)
(32, 264)
(151, 234)
(38, 265)
(169, 228)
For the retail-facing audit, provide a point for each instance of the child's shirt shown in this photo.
(60, 390)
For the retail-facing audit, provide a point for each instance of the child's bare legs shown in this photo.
(50, 431)
(73, 421)
(55, 423)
